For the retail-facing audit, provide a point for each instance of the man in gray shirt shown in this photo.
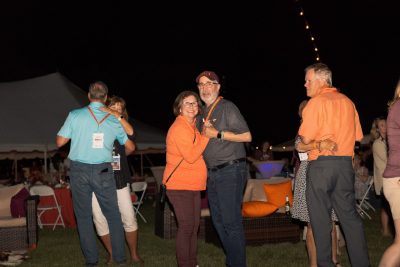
(225, 156)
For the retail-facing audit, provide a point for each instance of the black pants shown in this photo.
(330, 184)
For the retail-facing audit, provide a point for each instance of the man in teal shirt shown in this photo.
(92, 133)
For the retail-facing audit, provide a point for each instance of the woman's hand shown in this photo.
(110, 111)
(327, 144)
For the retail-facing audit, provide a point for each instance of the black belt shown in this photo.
(223, 165)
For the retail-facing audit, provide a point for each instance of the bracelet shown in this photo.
(120, 118)
(222, 135)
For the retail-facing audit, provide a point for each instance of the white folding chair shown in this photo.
(363, 203)
(44, 190)
(139, 187)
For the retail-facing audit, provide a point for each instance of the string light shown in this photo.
(308, 29)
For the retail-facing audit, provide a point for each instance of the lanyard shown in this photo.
(213, 106)
(94, 117)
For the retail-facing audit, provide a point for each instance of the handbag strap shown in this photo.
(169, 177)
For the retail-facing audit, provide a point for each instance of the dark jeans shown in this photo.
(98, 178)
(187, 211)
(225, 194)
(330, 184)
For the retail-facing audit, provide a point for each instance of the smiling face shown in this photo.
(117, 106)
(189, 108)
(208, 89)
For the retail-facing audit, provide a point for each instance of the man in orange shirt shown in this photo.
(330, 182)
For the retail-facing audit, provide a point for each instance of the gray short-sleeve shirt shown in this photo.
(225, 117)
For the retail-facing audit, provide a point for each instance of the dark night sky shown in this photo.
(148, 54)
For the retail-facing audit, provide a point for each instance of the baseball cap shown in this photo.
(209, 74)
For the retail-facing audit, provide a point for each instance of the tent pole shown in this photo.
(141, 165)
(16, 168)
(45, 159)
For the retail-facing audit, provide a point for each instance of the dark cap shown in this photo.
(209, 74)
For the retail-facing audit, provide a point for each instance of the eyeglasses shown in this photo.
(191, 104)
(207, 84)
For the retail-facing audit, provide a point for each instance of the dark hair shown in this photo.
(179, 101)
(98, 91)
(116, 99)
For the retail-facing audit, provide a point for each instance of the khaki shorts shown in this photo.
(391, 189)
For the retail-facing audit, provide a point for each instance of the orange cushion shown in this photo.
(257, 208)
(276, 193)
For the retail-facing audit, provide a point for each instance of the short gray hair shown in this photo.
(98, 91)
(322, 71)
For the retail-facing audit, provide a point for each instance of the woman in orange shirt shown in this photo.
(185, 146)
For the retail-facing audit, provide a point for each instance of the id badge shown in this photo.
(98, 140)
(303, 156)
(116, 163)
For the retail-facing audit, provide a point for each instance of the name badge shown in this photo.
(303, 156)
(98, 140)
(116, 163)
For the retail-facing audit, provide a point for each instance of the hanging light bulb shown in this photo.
(307, 26)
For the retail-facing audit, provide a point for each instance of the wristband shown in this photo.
(219, 135)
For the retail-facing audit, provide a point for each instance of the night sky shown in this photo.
(148, 54)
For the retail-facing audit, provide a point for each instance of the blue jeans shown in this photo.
(225, 194)
(98, 178)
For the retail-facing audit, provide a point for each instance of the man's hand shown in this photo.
(209, 130)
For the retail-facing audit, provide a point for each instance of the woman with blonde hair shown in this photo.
(379, 151)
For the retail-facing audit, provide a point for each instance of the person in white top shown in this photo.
(379, 150)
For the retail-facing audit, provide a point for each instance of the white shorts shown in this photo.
(391, 189)
(128, 216)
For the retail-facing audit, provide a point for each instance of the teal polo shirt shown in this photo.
(80, 126)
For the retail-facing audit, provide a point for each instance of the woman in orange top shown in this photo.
(185, 146)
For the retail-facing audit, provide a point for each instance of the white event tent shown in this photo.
(33, 111)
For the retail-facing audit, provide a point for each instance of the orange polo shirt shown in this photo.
(192, 173)
(332, 115)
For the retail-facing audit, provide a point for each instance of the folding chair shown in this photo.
(44, 190)
(363, 203)
(139, 187)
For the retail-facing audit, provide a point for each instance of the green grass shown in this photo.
(61, 248)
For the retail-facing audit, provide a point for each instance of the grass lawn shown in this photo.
(61, 248)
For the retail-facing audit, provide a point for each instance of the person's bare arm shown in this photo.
(60, 141)
(320, 145)
(128, 128)
(129, 147)
(211, 132)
